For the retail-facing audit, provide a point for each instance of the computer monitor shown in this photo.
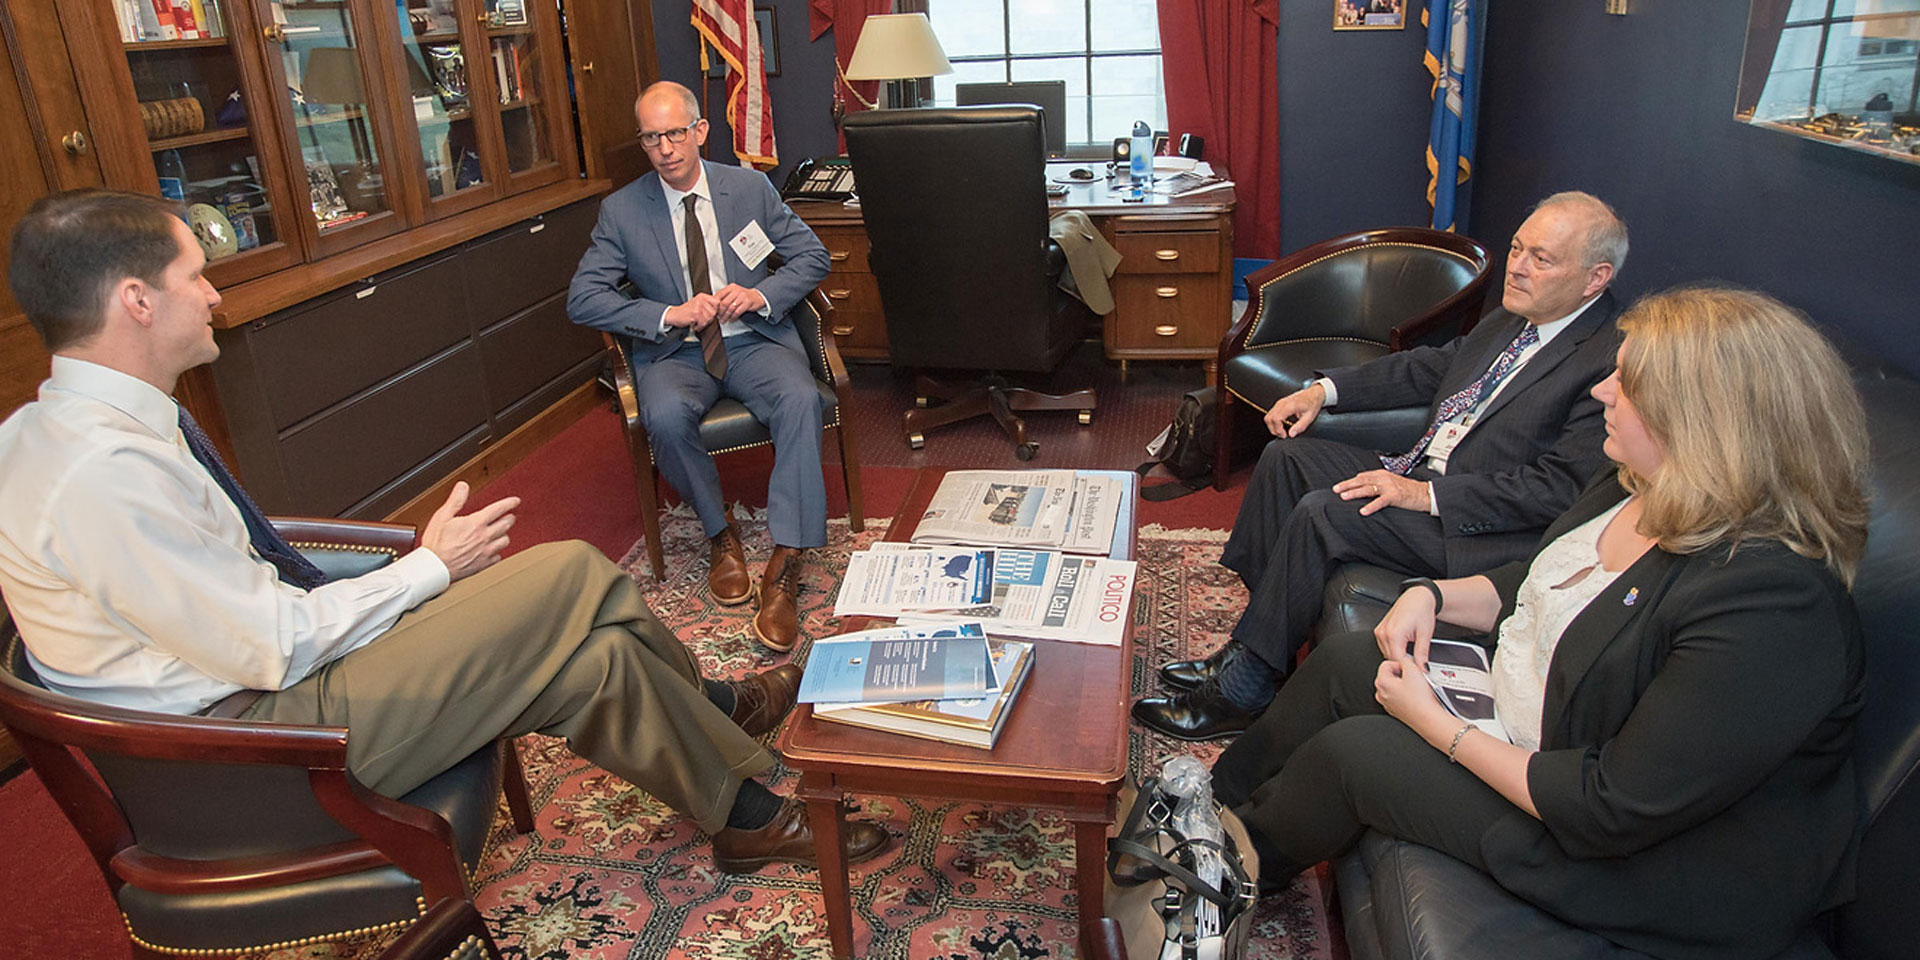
(1049, 95)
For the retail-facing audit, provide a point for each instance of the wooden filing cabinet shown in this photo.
(1172, 291)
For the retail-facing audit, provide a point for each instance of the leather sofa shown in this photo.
(1403, 901)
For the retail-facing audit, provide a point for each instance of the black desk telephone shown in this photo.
(825, 178)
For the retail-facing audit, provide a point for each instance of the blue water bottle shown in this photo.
(1141, 154)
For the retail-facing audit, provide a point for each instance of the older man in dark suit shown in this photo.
(1513, 436)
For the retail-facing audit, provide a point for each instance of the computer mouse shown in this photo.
(1080, 173)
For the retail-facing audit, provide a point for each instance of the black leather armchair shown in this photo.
(730, 426)
(1341, 302)
(451, 930)
(955, 206)
(1408, 902)
(218, 835)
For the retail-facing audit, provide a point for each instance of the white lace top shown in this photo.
(1564, 578)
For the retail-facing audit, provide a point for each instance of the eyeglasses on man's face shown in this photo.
(676, 135)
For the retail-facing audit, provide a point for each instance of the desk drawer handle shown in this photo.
(1165, 330)
(840, 294)
(840, 331)
(1166, 254)
(838, 255)
(1166, 293)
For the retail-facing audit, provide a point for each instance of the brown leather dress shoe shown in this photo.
(778, 622)
(789, 839)
(760, 702)
(727, 577)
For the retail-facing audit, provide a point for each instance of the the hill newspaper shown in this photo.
(1072, 511)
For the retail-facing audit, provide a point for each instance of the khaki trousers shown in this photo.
(553, 640)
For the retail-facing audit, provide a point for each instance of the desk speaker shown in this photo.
(1122, 151)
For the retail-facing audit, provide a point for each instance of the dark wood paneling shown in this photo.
(392, 324)
(514, 269)
(528, 351)
(338, 459)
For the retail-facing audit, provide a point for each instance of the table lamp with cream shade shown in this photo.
(896, 47)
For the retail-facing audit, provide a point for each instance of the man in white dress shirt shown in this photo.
(140, 575)
(1513, 435)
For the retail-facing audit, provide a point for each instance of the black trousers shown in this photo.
(1325, 762)
(1292, 529)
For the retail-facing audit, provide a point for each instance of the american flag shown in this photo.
(728, 25)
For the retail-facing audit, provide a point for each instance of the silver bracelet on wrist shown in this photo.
(1454, 748)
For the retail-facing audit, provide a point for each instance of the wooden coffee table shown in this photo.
(1064, 748)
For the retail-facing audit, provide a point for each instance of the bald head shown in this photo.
(667, 93)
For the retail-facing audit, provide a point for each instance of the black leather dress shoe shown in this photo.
(1203, 713)
(1187, 674)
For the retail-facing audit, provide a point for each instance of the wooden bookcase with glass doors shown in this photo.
(296, 130)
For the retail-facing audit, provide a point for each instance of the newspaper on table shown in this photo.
(1023, 508)
(1032, 594)
(1463, 679)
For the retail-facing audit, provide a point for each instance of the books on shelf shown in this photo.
(146, 20)
(973, 722)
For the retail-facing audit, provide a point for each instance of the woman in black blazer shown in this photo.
(1679, 780)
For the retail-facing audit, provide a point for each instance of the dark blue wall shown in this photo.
(802, 93)
(1353, 126)
(1639, 110)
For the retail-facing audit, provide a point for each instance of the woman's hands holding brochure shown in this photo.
(1409, 622)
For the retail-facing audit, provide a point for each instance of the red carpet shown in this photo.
(579, 485)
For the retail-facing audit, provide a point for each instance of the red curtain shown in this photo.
(1219, 60)
(845, 18)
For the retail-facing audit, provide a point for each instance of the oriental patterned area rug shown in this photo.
(610, 872)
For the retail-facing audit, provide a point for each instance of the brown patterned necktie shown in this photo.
(713, 349)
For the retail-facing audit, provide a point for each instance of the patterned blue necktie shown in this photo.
(267, 542)
(1466, 399)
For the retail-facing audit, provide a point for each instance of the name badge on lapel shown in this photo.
(751, 245)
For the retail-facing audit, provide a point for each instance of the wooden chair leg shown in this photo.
(514, 784)
(647, 480)
(850, 475)
(1222, 438)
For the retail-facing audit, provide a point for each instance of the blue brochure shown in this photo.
(897, 663)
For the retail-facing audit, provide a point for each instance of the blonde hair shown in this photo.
(1763, 432)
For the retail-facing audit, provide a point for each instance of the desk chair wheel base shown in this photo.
(994, 397)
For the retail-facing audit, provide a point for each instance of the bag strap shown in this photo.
(1190, 880)
(1175, 489)
(1146, 796)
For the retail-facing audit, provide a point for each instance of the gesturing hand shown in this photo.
(1388, 489)
(471, 543)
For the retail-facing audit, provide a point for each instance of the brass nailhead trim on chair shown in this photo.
(304, 545)
(419, 904)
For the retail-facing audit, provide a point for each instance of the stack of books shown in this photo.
(970, 721)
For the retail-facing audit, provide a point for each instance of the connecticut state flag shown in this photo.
(1453, 57)
(728, 25)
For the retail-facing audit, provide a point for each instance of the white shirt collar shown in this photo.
(129, 394)
(1547, 331)
(675, 198)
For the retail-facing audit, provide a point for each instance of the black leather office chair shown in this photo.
(1340, 302)
(955, 205)
(218, 835)
(452, 930)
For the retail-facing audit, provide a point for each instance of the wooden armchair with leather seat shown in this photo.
(1342, 302)
(730, 426)
(218, 835)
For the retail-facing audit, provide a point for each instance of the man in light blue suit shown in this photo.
(708, 319)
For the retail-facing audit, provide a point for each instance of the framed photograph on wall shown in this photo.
(769, 45)
(1369, 14)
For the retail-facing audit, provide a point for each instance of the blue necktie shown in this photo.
(1466, 399)
(267, 542)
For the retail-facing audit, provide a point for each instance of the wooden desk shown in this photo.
(1064, 748)
(1172, 293)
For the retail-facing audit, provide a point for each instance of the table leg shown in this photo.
(824, 813)
(1090, 868)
